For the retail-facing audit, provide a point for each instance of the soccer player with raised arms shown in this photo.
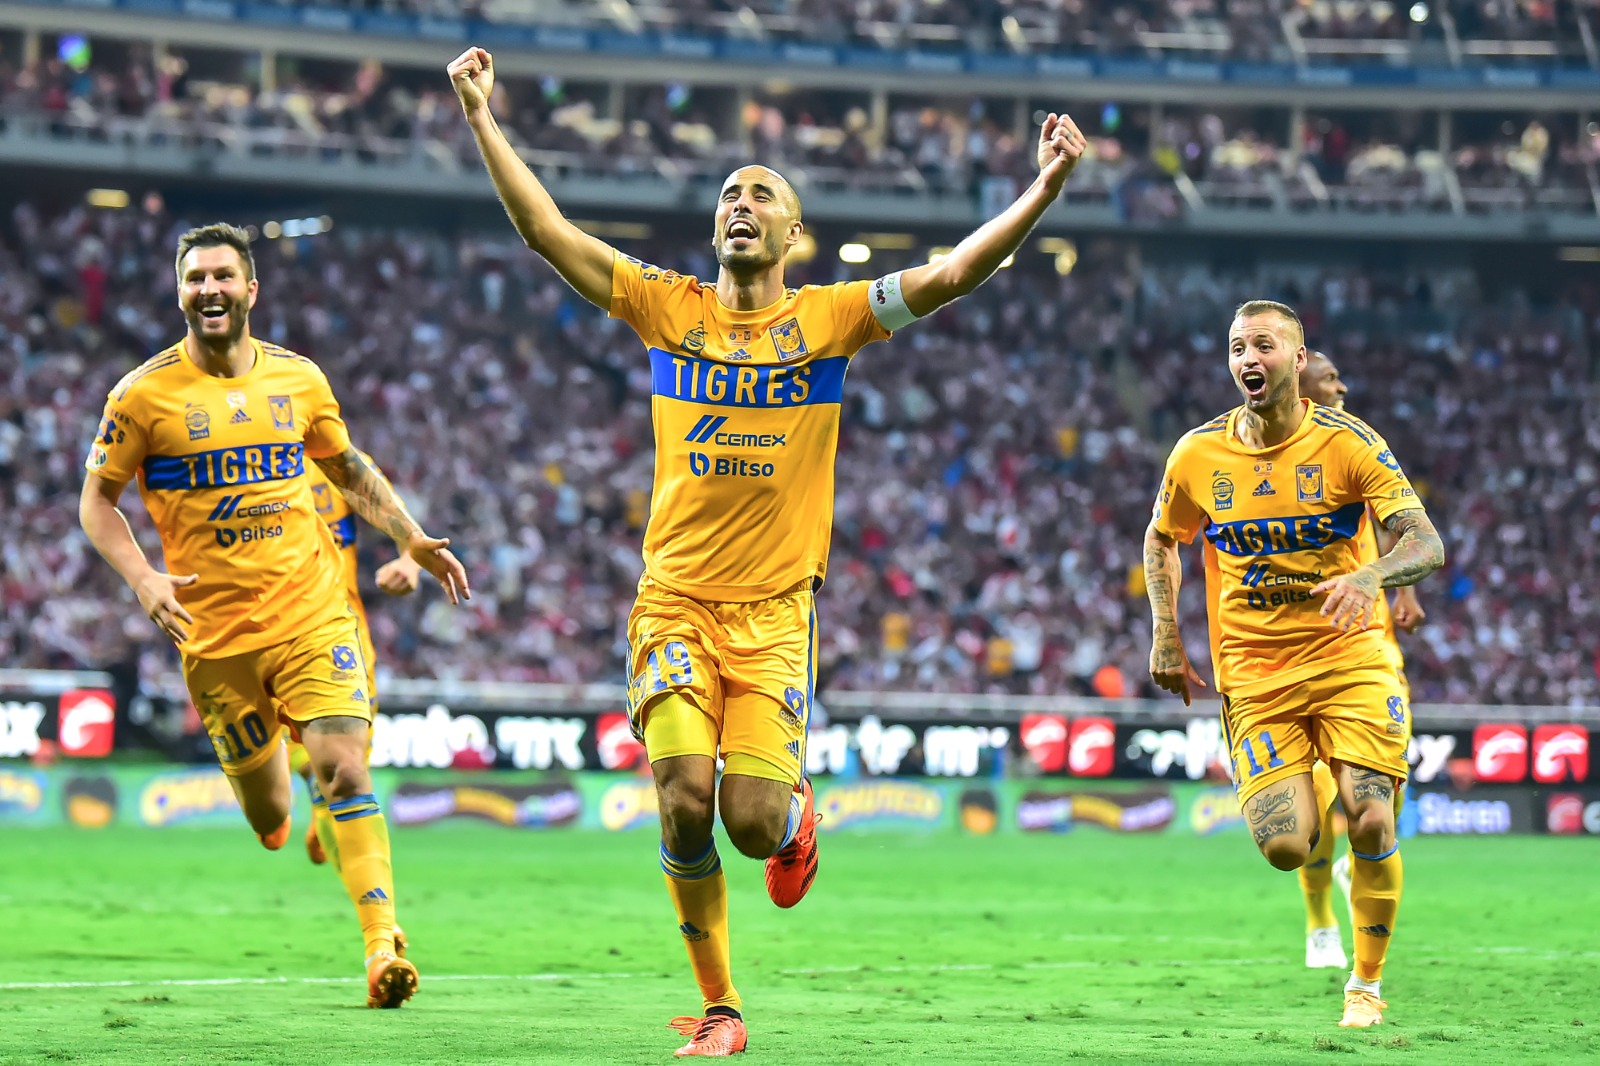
(217, 429)
(747, 377)
(1282, 490)
(1321, 384)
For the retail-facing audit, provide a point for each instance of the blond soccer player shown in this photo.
(747, 377)
(1282, 490)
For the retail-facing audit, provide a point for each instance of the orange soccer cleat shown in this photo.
(716, 1035)
(277, 838)
(792, 869)
(314, 846)
(391, 980)
(1362, 1010)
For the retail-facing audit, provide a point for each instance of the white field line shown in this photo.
(817, 971)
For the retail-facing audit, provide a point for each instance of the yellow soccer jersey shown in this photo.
(220, 464)
(1277, 522)
(746, 412)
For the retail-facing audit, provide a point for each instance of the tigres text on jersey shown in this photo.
(1277, 522)
(220, 465)
(746, 412)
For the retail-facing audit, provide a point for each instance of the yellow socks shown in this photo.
(1316, 878)
(361, 840)
(700, 896)
(322, 822)
(1375, 882)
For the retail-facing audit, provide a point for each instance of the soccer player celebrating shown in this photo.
(397, 577)
(1321, 384)
(1282, 489)
(217, 429)
(746, 377)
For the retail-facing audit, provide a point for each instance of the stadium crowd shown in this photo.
(995, 465)
(365, 113)
(1244, 29)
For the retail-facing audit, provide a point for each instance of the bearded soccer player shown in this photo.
(397, 577)
(1283, 490)
(747, 377)
(1321, 383)
(217, 429)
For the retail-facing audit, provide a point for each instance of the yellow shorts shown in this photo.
(1357, 716)
(299, 761)
(243, 699)
(745, 673)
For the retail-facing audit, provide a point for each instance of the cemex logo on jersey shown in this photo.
(1091, 747)
(1560, 754)
(1044, 738)
(87, 723)
(615, 743)
(1500, 752)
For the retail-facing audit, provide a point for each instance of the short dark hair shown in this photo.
(1263, 307)
(217, 235)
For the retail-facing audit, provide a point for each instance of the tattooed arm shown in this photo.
(1406, 608)
(1163, 575)
(375, 500)
(1417, 552)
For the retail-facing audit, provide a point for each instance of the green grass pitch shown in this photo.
(195, 946)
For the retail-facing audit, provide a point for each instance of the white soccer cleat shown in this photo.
(1341, 877)
(1325, 949)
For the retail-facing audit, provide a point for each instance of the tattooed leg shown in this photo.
(1368, 798)
(1283, 820)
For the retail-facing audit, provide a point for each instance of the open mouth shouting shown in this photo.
(741, 229)
(1254, 383)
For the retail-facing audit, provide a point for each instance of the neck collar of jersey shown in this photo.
(1301, 430)
(200, 371)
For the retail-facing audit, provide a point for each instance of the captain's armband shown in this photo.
(888, 303)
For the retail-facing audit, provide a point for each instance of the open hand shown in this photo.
(399, 577)
(1351, 598)
(158, 596)
(430, 554)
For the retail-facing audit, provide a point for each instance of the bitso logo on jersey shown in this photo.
(87, 723)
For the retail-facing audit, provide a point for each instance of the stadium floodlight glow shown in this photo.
(854, 253)
(111, 199)
(1419, 12)
(271, 231)
(1578, 253)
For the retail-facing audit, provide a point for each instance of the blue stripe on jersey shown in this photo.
(683, 377)
(244, 465)
(344, 530)
(1292, 533)
(1328, 418)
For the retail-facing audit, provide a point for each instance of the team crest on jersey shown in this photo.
(1308, 483)
(282, 408)
(197, 421)
(694, 342)
(789, 341)
(1221, 491)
